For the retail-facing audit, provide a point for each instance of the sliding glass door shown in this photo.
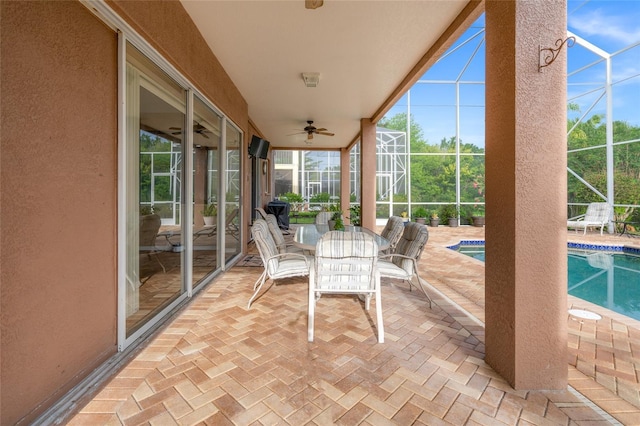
(180, 194)
(154, 148)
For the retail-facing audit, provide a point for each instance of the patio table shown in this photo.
(307, 236)
(624, 227)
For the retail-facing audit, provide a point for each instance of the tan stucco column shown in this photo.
(526, 247)
(368, 172)
(345, 183)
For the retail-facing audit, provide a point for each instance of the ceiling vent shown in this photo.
(311, 79)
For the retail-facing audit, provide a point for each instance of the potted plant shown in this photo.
(449, 214)
(420, 215)
(477, 218)
(434, 220)
(336, 223)
(354, 215)
(405, 217)
(209, 214)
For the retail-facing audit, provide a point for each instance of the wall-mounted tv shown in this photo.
(258, 147)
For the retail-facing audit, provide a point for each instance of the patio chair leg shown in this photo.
(258, 280)
(264, 276)
(423, 290)
(158, 259)
(312, 306)
(379, 323)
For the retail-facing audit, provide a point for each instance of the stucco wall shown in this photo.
(58, 169)
(59, 184)
(526, 249)
(168, 27)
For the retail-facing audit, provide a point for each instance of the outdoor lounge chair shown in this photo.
(402, 264)
(231, 227)
(598, 215)
(149, 227)
(345, 263)
(276, 265)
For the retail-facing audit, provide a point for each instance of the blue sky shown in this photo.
(610, 26)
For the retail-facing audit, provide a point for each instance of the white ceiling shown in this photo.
(362, 50)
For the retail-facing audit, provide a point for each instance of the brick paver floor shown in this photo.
(218, 363)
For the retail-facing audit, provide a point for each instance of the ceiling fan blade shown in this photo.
(326, 133)
(313, 4)
(297, 133)
(322, 129)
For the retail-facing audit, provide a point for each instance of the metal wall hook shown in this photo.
(548, 54)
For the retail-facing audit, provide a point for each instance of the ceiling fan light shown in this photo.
(313, 4)
(311, 79)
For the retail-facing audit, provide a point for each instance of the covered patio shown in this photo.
(218, 363)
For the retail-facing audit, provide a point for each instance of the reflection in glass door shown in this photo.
(232, 192)
(154, 146)
(207, 133)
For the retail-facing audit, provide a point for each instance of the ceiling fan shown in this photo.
(313, 4)
(197, 128)
(311, 130)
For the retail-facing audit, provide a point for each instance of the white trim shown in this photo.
(186, 200)
(121, 196)
(222, 194)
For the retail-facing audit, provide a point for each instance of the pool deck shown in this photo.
(604, 355)
(219, 363)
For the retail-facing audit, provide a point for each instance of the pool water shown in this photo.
(610, 280)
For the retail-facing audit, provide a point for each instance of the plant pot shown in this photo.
(421, 220)
(332, 225)
(453, 222)
(209, 220)
(478, 221)
(434, 222)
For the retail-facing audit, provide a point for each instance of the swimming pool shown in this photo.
(607, 276)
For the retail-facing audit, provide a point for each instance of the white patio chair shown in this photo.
(276, 265)
(392, 232)
(598, 215)
(278, 236)
(323, 218)
(345, 263)
(402, 264)
(261, 212)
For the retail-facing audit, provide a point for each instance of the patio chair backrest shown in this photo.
(276, 233)
(598, 212)
(345, 261)
(393, 231)
(149, 227)
(265, 244)
(323, 218)
(411, 244)
(261, 212)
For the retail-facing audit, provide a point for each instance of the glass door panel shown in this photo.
(153, 148)
(232, 193)
(206, 144)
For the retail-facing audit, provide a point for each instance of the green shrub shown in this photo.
(420, 212)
